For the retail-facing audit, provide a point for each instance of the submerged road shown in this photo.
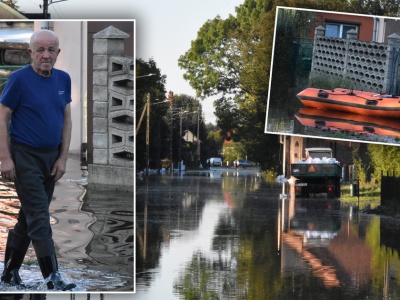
(229, 234)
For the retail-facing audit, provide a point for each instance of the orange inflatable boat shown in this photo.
(352, 101)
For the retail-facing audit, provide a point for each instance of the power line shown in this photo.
(58, 11)
(46, 4)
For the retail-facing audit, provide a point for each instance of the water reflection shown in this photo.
(110, 251)
(349, 124)
(332, 124)
(236, 237)
(92, 231)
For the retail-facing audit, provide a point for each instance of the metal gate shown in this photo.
(394, 86)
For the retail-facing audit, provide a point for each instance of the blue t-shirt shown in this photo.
(38, 105)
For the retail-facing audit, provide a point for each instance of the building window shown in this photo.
(337, 30)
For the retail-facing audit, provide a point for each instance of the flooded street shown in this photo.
(92, 232)
(229, 234)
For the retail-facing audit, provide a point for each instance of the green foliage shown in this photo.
(196, 280)
(374, 7)
(230, 58)
(233, 151)
(191, 109)
(329, 83)
(11, 3)
(359, 168)
(214, 143)
(228, 116)
(210, 63)
(326, 5)
(269, 176)
(384, 159)
(155, 86)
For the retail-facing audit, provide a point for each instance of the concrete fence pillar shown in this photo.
(319, 31)
(392, 62)
(112, 110)
(352, 34)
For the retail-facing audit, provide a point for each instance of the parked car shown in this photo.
(242, 163)
(214, 161)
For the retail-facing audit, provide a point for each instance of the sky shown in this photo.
(164, 29)
(81, 9)
(165, 34)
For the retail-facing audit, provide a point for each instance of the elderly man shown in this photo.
(33, 153)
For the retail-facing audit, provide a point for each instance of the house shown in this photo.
(368, 28)
(190, 137)
(338, 24)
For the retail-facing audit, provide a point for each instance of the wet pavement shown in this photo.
(229, 234)
(92, 232)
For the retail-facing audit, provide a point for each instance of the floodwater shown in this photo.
(92, 231)
(305, 121)
(228, 234)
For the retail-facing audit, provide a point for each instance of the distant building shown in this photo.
(190, 137)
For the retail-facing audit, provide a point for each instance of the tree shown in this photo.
(228, 117)
(375, 7)
(11, 3)
(155, 86)
(211, 63)
(229, 59)
(233, 151)
(214, 142)
(384, 159)
(186, 111)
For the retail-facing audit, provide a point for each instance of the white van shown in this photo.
(215, 161)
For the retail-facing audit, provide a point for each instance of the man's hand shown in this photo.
(59, 168)
(7, 169)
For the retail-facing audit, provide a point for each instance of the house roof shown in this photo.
(190, 137)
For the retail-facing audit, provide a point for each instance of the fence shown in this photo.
(367, 66)
(390, 190)
(112, 111)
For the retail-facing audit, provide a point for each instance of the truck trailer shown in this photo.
(319, 173)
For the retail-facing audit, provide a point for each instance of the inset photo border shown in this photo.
(335, 76)
(92, 210)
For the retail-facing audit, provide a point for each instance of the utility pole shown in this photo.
(46, 5)
(171, 110)
(45, 8)
(180, 142)
(148, 134)
(198, 135)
